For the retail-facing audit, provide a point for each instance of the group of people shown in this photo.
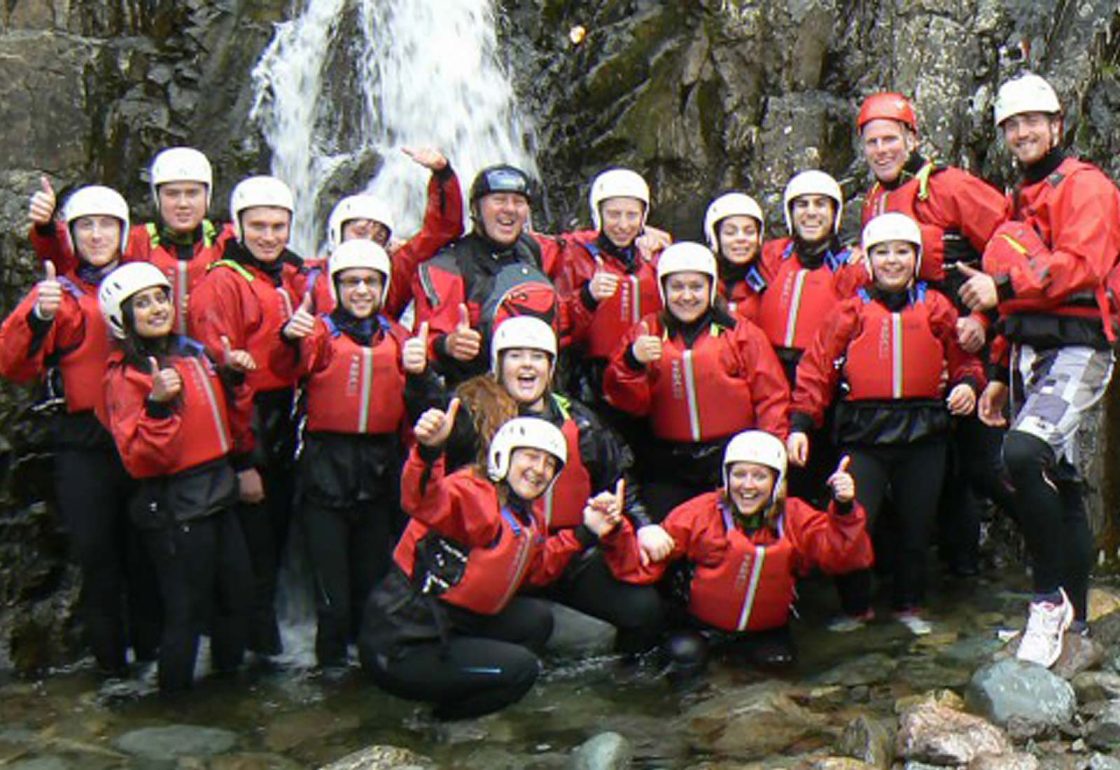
(664, 435)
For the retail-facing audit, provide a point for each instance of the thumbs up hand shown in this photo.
(647, 347)
(238, 360)
(302, 322)
(414, 354)
(43, 202)
(434, 425)
(464, 343)
(50, 294)
(841, 483)
(604, 283)
(979, 292)
(166, 383)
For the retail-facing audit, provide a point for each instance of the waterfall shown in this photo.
(347, 80)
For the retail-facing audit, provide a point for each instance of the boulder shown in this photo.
(1025, 698)
(606, 751)
(944, 736)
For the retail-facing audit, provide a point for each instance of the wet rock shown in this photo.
(1103, 600)
(868, 740)
(1014, 761)
(291, 730)
(576, 635)
(1103, 731)
(752, 722)
(1096, 685)
(176, 741)
(864, 670)
(380, 758)
(1103, 762)
(253, 761)
(945, 736)
(42, 763)
(1079, 653)
(835, 763)
(1022, 697)
(606, 751)
(944, 698)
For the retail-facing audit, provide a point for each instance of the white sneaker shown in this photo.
(1042, 639)
(845, 624)
(916, 624)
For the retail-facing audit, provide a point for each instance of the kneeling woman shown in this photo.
(446, 626)
(181, 428)
(746, 544)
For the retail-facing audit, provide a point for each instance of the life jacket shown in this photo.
(751, 589)
(481, 579)
(694, 398)
(563, 503)
(362, 388)
(636, 296)
(518, 289)
(798, 300)
(83, 366)
(184, 274)
(894, 355)
(202, 409)
(744, 296)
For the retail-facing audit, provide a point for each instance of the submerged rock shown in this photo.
(176, 741)
(1023, 697)
(944, 736)
(380, 758)
(606, 751)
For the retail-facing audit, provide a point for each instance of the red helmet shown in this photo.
(887, 105)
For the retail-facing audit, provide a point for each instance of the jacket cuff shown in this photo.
(632, 363)
(429, 454)
(639, 520)
(444, 173)
(585, 536)
(971, 382)
(157, 410)
(1004, 290)
(799, 422)
(587, 299)
(998, 373)
(48, 229)
(843, 509)
(37, 324)
(241, 461)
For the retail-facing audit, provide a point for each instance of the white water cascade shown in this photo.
(411, 73)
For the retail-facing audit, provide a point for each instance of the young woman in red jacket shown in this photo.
(734, 225)
(348, 483)
(446, 625)
(698, 376)
(181, 425)
(745, 546)
(887, 351)
(58, 326)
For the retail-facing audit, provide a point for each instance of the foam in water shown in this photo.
(424, 72)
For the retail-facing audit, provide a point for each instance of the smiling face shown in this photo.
(369, 229)
(892, 264)
(750, 487)
(97, 238)
(1030, 135)
(887, 145)
(738, 239)
(687, 295)
(265, 231)
(182, 205)
(503, 216)
(359, 291)
(813, 217)
(622, 220)
(530, 472)
(525, 374)
(153, 313)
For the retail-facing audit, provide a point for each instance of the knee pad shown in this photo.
(1025, 453)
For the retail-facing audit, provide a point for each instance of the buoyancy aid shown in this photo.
(635, 297)
(797, 299)
(83, 366)
(563, 503)
(184, 274)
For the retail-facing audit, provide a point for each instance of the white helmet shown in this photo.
(1027, 93)
(813, 183)
(730, 205)
(359, 253)
(522, 331)
(121, 284)
(893, 226)
(96, 200)
(686, 257)
(525, 432)
(258, 191)
(759, 447)
(617, 183)
(356, 207)
(181, 164)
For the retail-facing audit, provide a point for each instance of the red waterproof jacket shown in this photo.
(205, 422)
(726, 381)
(744, 297)
(747, 581)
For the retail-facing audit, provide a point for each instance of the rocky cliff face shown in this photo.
(701, 96)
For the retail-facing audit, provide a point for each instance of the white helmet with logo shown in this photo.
(360, 206)
(759, 447)
(121, 284)
(617, 183)
(893, 226)
(731, 204)
(521, 433)
(813, 183)
(686, 257)
(522, 331)
(257, 191)
(96, 200)
(1026, 93)
(181, 164)
(359, 253)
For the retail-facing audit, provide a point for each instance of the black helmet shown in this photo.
(501, 178)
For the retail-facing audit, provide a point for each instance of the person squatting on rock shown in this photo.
(447, 625)
(886, 351)
(1044, 272)
(181, 424)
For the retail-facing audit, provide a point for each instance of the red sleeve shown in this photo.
(290, 361)
(216, 309)
(758, 362)
(817, 374)
(455, 506)
(850, 278)
(967, 203)
(963, 367)
(148, 445)
(24, 348)
(443, 223)
(239, 405)
(550, 561)
(52, 244)
(627, 388)
(438, 294)
(832, 542)
(577, 267)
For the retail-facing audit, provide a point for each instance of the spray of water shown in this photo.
(426, 73)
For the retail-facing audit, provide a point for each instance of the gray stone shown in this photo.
(868, 740)
(944, 736)
(606, 751)
(1014, 761)
(176, 741)
(864, 670)
(1103, 731)
(380, 758)
(1103, 762)
(1096, 685)
(1022, 697)
(576, 635)
(42, 763)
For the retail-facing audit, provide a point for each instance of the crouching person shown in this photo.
(182, 428)
(446, 625)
